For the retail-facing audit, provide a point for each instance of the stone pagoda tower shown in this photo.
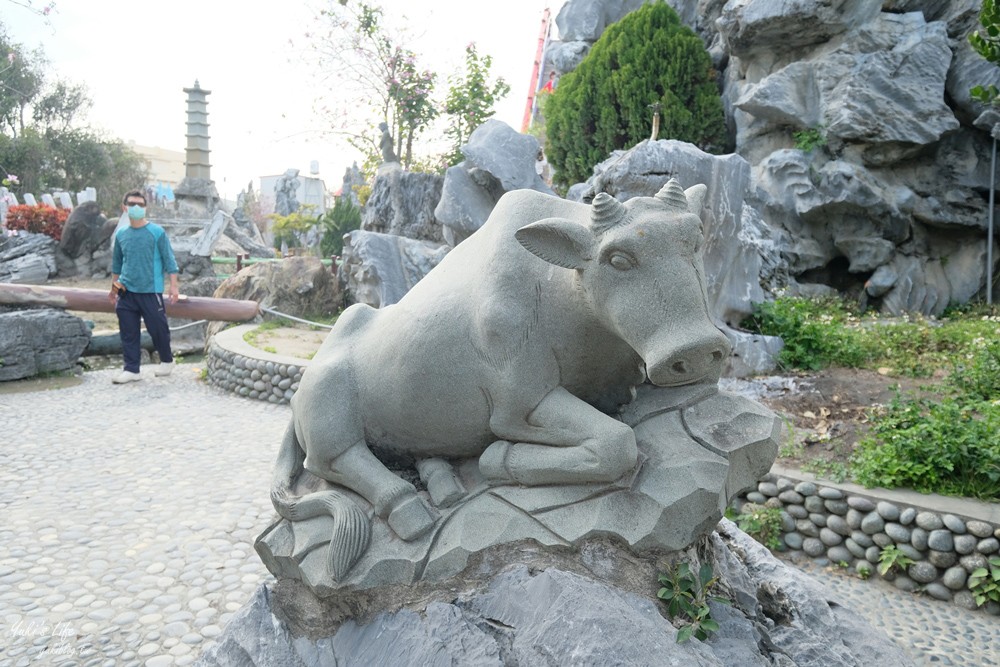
(197, 191)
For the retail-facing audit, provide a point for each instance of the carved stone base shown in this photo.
(698, 447)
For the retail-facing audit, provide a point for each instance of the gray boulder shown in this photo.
(43, 340)
(536, 606)
(498, 160)
(297, 286)
(378, 269)
(585, 20)
(402, 203)
(506, 154)
(969, 69)
(28, 259)
(567, 56)
(759, 27)
(886, 84)
(85, 231)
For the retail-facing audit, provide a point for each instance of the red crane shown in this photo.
(543, 40)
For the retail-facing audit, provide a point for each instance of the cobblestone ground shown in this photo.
(128, 514)
(128, 518)
(931, 631)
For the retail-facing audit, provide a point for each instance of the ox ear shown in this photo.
(558, 241)
(696, 198)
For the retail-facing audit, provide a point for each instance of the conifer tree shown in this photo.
(646, 58)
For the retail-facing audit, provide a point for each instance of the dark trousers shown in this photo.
(130, 307)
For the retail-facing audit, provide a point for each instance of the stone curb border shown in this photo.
(236, 366)
(947, 538)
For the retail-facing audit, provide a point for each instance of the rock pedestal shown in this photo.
(598, 608)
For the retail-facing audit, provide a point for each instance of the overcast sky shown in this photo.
(135, 58)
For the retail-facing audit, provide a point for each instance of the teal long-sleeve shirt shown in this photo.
(142, 255)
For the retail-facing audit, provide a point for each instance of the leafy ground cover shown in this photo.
(892, 402)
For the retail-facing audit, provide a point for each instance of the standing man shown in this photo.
(142, 255)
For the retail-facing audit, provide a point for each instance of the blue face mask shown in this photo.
(136, 212)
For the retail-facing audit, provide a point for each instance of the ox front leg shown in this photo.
(563, 441)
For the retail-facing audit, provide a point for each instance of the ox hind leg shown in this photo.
(334, 441)
(562, 441)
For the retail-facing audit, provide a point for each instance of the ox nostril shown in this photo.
(717, 355)
(680, 368)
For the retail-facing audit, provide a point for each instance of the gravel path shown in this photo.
(127, 539)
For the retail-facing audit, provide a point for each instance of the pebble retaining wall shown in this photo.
(236, 366)
(831, 525)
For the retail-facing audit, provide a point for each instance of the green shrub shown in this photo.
(604, 104)
(892, 559)
(810, 138)
(827, 332)
(761, 523)
(814, 332)
(344, 217)
(985, 582)
(979, 377)
(688, 596)
(948, 446)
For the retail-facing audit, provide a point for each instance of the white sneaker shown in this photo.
(165, 369)
(126, 376)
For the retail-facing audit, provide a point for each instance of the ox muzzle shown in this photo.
(694, 360)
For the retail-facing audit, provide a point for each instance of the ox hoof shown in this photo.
(412, 518)
(493, 462)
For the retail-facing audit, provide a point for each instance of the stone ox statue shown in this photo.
(509, 354)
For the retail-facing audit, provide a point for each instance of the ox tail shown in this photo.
(351, 527)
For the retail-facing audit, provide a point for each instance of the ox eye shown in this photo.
(621, 261)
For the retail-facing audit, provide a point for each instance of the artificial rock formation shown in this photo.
(27, 258)
(296, 286)
(885, 199)
(42, 340)
(497, 160)
(402, 204)
(378, 269)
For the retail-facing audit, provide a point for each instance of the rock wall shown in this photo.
(866, 166)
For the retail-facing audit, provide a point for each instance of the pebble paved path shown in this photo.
(128, 518)
(128, 514)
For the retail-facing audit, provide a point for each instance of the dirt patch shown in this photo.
(828, 411)
(301, 342)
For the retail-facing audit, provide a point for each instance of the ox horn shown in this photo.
(607, 212)
(672, 194)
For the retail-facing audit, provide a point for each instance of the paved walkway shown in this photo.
(127, 539)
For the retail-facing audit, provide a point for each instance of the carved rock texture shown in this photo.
(497, 160)
(699, 449)
(599, 610)
(378, 269)
(402, 204)
(44, 340)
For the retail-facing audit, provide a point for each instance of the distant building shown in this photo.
(165, 166)
(311, 192)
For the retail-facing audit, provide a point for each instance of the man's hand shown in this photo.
(174, 295)
(113, 296)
